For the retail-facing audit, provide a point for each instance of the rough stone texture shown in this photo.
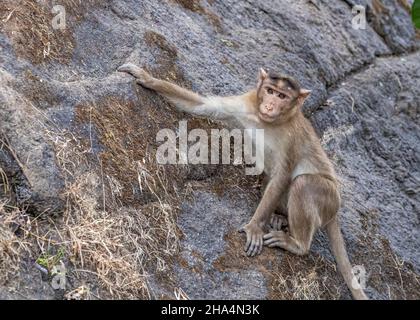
(374, 142)
(205, 223)
(364, 103)
(20, 122)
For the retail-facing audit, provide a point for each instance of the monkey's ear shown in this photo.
(263, 74)
(261, 77)
(304, 93)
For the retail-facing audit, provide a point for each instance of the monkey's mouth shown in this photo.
(265, 117)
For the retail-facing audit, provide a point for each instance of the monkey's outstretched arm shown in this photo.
(254, 229)
(181, 97)
(186, 100)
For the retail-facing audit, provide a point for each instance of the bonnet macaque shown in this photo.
(301, 182)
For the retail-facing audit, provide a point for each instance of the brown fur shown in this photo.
(297, 169)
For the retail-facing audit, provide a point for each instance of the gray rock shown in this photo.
(364, 104)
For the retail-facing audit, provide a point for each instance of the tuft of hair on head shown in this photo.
(290, 81)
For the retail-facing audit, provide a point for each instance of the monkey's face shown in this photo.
(279, 97)
(277, 101)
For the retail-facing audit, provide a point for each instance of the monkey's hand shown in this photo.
(254, 239)
(143, 78)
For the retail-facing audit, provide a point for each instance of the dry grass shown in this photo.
(104, 239)
(118, 244)
(299, 287)
(28, 24)
(105, 232)
(4, 182)
(388, 273)
(11, 247)
(310, 277)
(305, 278)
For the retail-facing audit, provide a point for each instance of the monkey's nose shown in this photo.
(269, 108)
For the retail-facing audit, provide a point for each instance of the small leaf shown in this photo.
(415, 13)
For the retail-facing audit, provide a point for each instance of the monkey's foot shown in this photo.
(142, 76)
(276, 239)
(254, 239)
(278, 221)
(283, 240)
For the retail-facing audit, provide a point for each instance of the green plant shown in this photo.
(415, 13)
(48, 261)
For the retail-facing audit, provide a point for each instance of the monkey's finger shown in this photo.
(268, 236)
(251, 247)
(274, 244)
(248, 252)
(261, 247)
(267, 242)
(128, 67)
(133, 70)
(255, 248)
(258, 247)
(248, 242)
(271, 240)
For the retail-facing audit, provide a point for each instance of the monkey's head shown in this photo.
(279, 97)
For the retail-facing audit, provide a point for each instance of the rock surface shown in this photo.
(364, 104)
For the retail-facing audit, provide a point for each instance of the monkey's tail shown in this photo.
(339, 251)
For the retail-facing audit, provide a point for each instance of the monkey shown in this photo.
(300, 179)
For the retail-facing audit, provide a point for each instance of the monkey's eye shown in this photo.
(281, 95)
(270, 91)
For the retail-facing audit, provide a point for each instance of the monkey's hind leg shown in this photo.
(303, 217)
